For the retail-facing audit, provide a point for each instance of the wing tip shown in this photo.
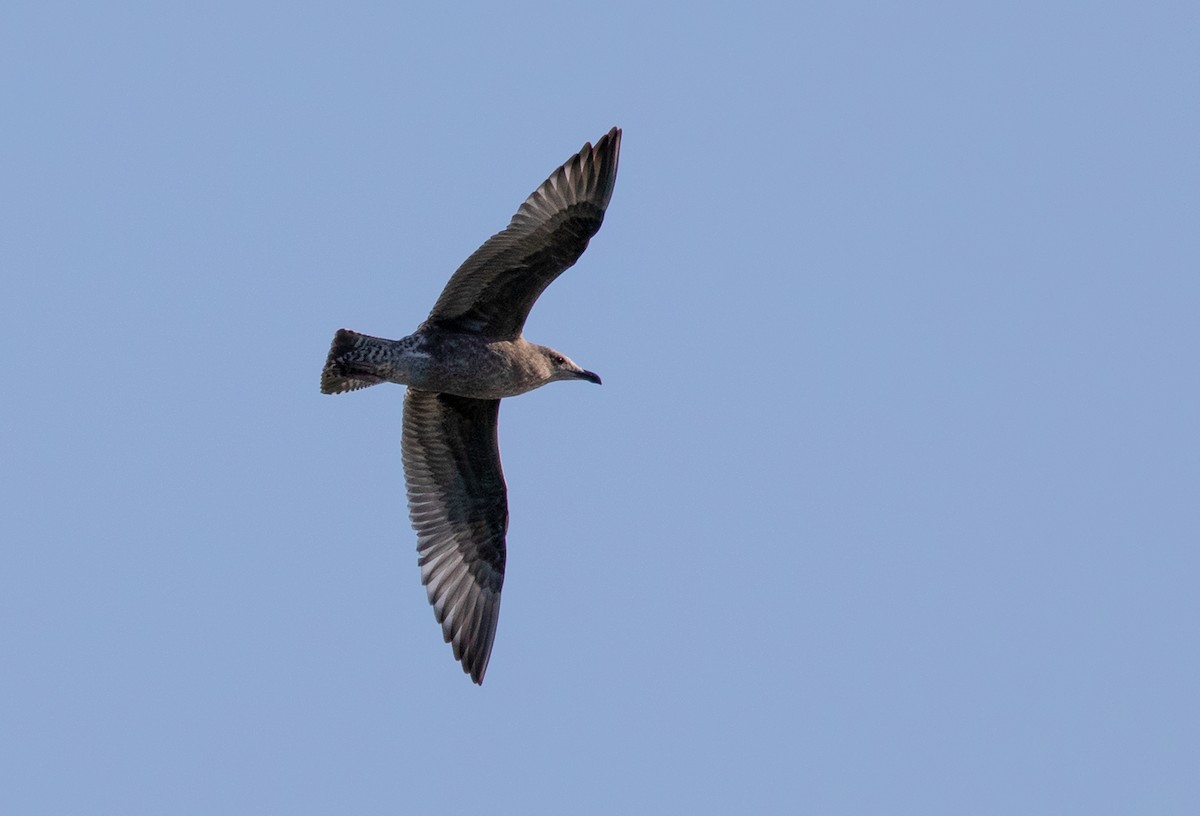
(613, 136)
(604, 158)
(472, 639)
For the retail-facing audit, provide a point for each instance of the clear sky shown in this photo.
(889, 503)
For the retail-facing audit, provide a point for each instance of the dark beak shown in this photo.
(590, 376)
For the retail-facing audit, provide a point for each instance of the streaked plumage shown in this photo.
(465, 357)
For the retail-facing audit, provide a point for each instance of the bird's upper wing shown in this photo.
(459, 507)
(492, 292)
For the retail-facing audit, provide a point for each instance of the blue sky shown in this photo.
(888, 503)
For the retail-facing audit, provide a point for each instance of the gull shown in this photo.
(467, 356)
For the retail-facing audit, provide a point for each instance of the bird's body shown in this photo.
(467, 356)
(465, 365)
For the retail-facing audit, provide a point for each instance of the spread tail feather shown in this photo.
(351, 362)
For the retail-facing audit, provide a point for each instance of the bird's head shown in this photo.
(561, 367)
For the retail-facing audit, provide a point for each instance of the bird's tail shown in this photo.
(352, 362)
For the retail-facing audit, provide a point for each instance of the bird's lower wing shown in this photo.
(459, 508)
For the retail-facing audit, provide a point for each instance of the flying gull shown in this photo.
(468, 355)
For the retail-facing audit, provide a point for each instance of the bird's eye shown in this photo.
(559, 359)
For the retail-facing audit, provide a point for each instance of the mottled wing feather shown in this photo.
(459, 508)
(494, 289)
